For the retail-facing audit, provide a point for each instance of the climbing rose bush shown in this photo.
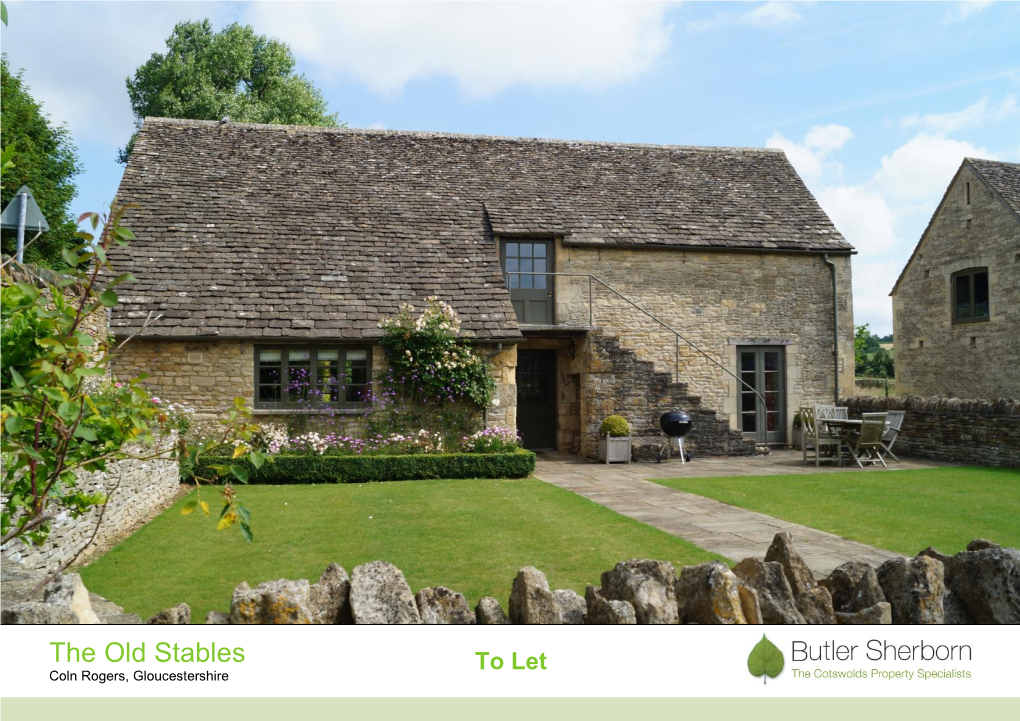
(430, 362)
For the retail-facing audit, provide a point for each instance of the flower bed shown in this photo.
(314, 468)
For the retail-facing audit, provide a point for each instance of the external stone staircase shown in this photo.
(619, 382)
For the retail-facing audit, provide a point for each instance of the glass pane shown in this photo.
(539, 265)
(772, 401)
(747, 402)
(269, 394)
(526, 281)
(525, 250)
(747, 361)
(356, 394)
(540, 281)
(269, 374)
(512, 264)
(357, 355)
(526, 265)
(749, 379)
(511, 250)
(269, 356)
(750, 422)
(539, 249)
(328, 355)
(515, 281)
(299, 355)
(771, 360)
(772, 422)
(963, 296)
(772, 381)
(981, 295)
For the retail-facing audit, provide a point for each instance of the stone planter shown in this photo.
(614, 450)
(798, 438)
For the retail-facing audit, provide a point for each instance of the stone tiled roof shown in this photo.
(1003, 177)
(282, 231)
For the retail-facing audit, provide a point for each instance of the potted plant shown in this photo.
(798, 434)
(614, 440)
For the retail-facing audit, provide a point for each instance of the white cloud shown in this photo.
(810, 158)
(375, 126)
(770, 14)
(918, 172)
(485, 47)
(973, 116)
(883, 216)
(965, 10)
(79, 81)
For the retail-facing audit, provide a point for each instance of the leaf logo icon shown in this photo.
(765, 660)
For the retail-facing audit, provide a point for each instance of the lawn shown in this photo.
(468, 535)
(902, 511)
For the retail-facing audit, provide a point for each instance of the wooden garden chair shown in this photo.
(821, 435)
(892, 429)
(866, 448)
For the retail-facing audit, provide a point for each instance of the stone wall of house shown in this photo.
(208, 375)
(719, 301)
(137, 489)
(504, 372)
(934, 355)
(616, 382)
(986, 433)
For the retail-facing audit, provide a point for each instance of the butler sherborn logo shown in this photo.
(765, 660)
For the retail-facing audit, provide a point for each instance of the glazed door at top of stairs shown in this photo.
(531, 295)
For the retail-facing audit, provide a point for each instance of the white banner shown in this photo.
(543, 661)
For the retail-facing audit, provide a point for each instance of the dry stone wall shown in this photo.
(951, 429)
(138, 489)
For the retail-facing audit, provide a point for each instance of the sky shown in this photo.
(876, 104)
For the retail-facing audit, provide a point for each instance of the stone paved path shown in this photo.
(718, 527)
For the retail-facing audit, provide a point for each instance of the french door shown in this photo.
(763, 368)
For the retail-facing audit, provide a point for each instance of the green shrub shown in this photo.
(615, 426)
(287, 468)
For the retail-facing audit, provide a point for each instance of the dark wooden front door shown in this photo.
(531, 295)
(536, 398)
(764, 369)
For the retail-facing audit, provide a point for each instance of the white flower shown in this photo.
(495, 402)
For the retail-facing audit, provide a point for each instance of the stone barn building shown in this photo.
(601, 277)
(956, 304)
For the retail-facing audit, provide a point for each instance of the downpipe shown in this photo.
(835, 330)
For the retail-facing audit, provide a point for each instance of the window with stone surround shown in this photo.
(311, 377)
(970, 295)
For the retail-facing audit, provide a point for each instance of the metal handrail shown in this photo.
(592, 279)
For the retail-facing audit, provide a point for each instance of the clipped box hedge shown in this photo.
(286, 468)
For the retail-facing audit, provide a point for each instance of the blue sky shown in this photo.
(875, 103)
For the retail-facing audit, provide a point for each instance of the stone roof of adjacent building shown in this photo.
(1002, 178)
(250, 230)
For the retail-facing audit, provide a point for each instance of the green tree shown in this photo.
(207, 75)
(46, 160)
(861, 334)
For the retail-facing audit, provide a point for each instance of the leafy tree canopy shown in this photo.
(207, 75)
(45, 159)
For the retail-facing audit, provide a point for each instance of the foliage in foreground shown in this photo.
(57, 416)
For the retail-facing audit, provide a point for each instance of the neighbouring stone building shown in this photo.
(956, 304)
(677, 270)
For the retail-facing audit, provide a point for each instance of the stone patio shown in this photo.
(718, 527)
